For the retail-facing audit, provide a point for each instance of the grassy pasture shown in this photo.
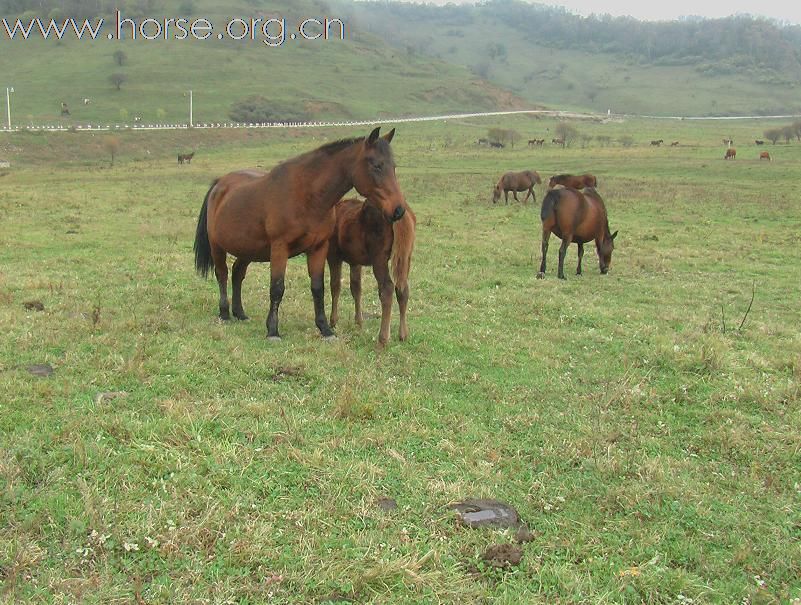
(653, 452)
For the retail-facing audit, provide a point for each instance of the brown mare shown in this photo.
(364, 237)
(514, 182)
(731, 152)
(573, 181)
(289, 211)
(185, 157)
(764, 156)
(576, 216)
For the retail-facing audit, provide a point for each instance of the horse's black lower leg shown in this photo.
(356, 292)
(315, 261)
(580, 256)
(238, 275)
(545, 237)
(562, 254)
(276, 294)
(221, 272)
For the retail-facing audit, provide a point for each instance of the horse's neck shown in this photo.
(338, 179)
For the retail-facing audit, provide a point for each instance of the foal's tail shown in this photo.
(203, 260)
(402, 246)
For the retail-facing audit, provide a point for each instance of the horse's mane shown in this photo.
(337, 146)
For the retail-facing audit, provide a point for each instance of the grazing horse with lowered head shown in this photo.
(185, 157)
(573, 181)
(364, 237)
(731, 153)
(657, 143)
(759, 142)
(576, 216)
(290, 211)
(674, 144)
(764, 156)
(514, 182)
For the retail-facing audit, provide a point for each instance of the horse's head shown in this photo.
(535, 177)
(590, 180)
(374, 175)
(605, 251)
(553, 182)
(496, 193)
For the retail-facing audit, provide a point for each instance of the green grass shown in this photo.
(653, 454)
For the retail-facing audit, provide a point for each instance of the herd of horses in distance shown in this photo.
(298, 208)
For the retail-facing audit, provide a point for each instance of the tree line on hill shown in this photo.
(760, 48)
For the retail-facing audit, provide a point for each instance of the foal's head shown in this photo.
(605, 251)
(374, 175)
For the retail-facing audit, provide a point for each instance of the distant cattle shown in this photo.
(731, 153)
(538, 142)
(764, 156)
(185, 157)
(759, 142)
(558, 142)
(497, 144)
(482, 142)
(657, 143)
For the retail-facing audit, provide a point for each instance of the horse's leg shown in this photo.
(514, 193)
(237, 277)
(546, 235)
(356, 292)
(402, 294)
(531, 193)
(566, 241)
(315, 261)
(506, 196)
(219, 257)
(385, 287)
(580, 256)
(335, 266)
(278, 259)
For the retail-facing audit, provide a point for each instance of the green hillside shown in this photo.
(358, 76)
(546, 55)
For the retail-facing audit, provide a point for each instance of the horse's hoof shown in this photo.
(241, 316)
(273, 339)
(541, 275)
(330, 338)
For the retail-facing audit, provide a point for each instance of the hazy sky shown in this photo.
(784, 10)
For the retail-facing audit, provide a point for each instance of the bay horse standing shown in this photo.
(580, 217)
(573, 181)
(289, 211)
(514, 182)
(364, 237)
(185, 157)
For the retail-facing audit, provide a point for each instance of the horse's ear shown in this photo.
(373, 136)
(389, 135)
(613, 236)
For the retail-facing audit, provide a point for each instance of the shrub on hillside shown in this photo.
(258, 109)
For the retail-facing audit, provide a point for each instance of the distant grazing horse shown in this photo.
(576, 216)
(539, 142)
(674, 144)
(185, 157)
(290, 211)
(514, 182)
(363, 236)
(657, 143)
(764, 156)
(497, 145)
(482, 142)
(558, 142)
(759, 142)
(573, 181)
(731, 153)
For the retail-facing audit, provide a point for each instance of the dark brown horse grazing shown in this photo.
(364, 237)
(576, 216)
(514, 182)
(574, 181)
(185, 157)
(731, 152)
(289, 211)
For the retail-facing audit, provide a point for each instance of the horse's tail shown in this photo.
(402, 246)
(203, 259)
(549, 203)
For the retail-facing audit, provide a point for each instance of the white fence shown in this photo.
(138, 126)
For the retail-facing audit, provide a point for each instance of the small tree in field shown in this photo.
(496, 135)
(772, 134)
(567, 132)
(788, 133)
(117, 80)
(512, 136)
(112, 147)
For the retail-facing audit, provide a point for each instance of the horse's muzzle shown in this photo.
(398, 214)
